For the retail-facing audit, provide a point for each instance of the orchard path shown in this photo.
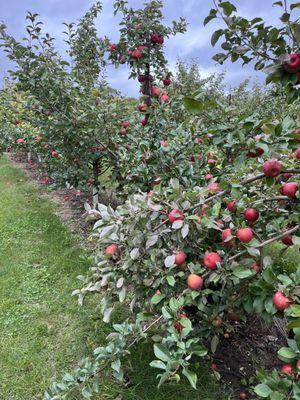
(43, 331)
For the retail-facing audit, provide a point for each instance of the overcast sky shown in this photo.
(194, 44)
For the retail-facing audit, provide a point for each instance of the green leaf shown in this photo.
(295, 5)
(286, 354)
(242, 273)
(228, 8)
(212, 15)
(171, 280)
(262, 390)
(216, 36)
(191, 376)
(285, 17)
(162, 353)
(294, 324)
(195, 106)
(157, 298)
(158, 364)
(277, 396)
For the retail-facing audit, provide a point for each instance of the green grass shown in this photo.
(43, 331)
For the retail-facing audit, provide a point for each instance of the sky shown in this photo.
(193, 45)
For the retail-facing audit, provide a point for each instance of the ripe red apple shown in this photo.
(226, 236)
(142, 107)
(217, 322)
(154, 38)
(54, 154)
(259, 151)
(292, 65)
(199, 140)
(175, 215)
(195, 282)
(155, 91)
(141, 78)
(21, 140)
(231, 206)
(208, 177)
(289, 189)
(167, 82)
(211, 161)
(164, 98)
(144, 121)
(242, 396)
(251, 214)
(180, 258)
(125, 124)
(287, 175)
(256, 267)
(214, 187)
(112, 249)
(272, 168)
(287, 369)
(158, 291)
(113, 47)
(137, 54)
(122, 132)
(280, 301)
(297, 153)
(287, 240)
(210, 260)
(245, 235)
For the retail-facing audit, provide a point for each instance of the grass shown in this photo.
(43, 332)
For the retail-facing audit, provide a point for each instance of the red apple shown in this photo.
(155, 91)
(208, 177)
(122, 132)
(231, 206)
(242, 396)
(280, 301)
(217, 322)
(180, 258)
(245, 235)
(144, 121)
(272, 168)
(251, 214)
(287, 240)
(137, 54)
(292, 65)
(21, 140)
(113, 47)
(214, 187)
(195, 282)
(54, 154)
(287, 369)
(125, 124)
(210, 260)
(112, 249)
(141, 78)
(256, 267)
(167, 82)
(226, 235)
(142, 107)
(289, 189)
(164, 98)
(175, 215)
